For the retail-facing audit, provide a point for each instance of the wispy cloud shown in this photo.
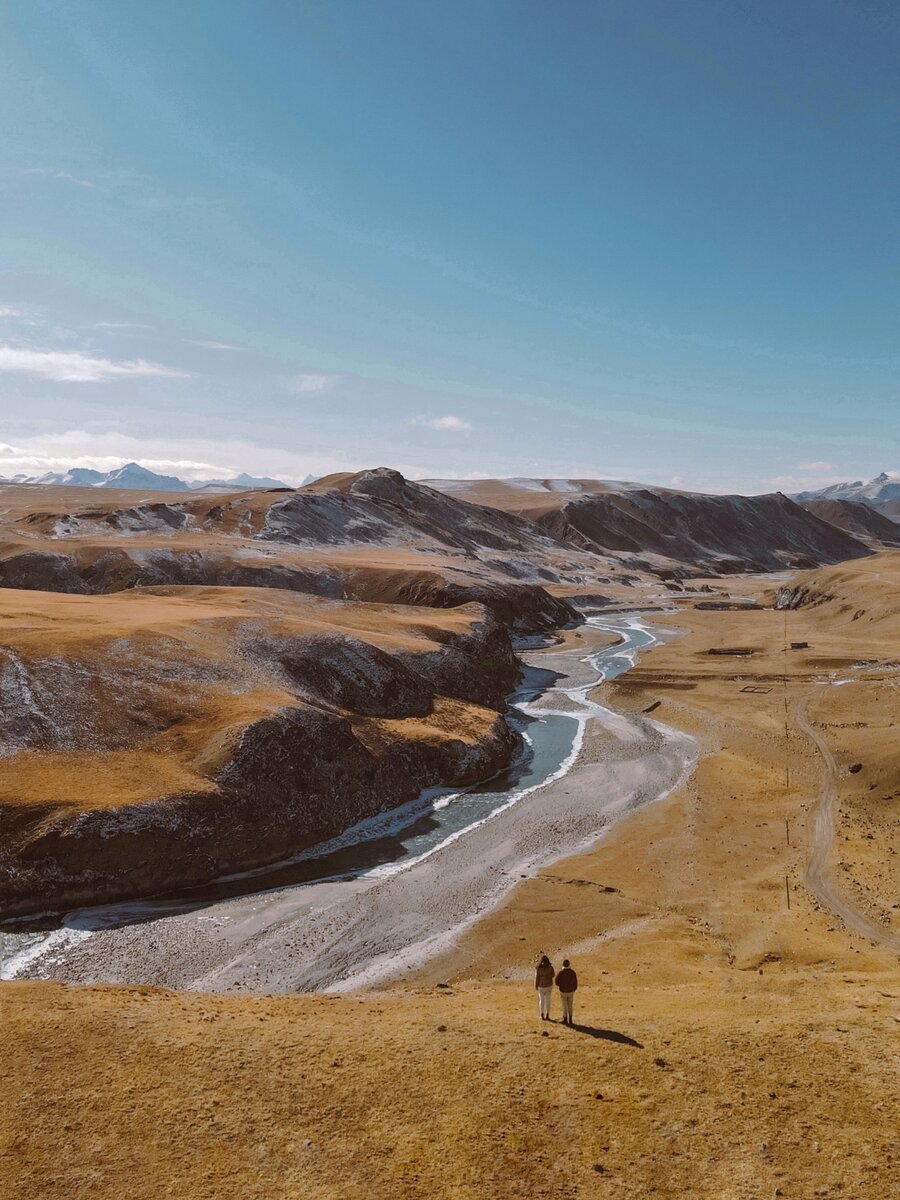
(121, 325)
(74, 367)
(449, 423)
(309, 384)
(59, 173)
(816, 466)
(211, 345)
(799, 483)
(9, 310)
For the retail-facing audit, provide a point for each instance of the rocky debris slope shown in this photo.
(160, 738)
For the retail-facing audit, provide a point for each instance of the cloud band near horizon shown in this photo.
(72, 366)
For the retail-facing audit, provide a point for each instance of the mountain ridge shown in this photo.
(71, 539)
(133, 476)
(664, 529)
(867, 522)
(883, 489)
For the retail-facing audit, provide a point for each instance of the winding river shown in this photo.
(551, 710)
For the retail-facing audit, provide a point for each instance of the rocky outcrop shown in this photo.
(299, 777)
(846, 594)
(524, 607)
(100, 571)
(345, 729)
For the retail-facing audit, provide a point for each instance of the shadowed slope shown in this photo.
(660, 525)
(868, 524)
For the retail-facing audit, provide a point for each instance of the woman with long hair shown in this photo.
(543, 981)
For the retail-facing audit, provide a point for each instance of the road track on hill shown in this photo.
(818, 877)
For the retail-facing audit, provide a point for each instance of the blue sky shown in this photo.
(644, 240)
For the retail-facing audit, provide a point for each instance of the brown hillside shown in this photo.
(726, 1046)
(80, 541)
(862, 521)
(159, 737)
(662, 528)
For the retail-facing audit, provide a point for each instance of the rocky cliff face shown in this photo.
(296, 778)
(101, 570)
(848, 593)
(145, 751)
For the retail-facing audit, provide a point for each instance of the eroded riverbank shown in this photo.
(359, 922)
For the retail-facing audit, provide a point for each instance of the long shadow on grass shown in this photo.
(608, 1035)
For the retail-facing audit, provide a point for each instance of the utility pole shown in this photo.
(787, 769)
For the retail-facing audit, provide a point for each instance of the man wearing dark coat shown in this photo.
(567, 982)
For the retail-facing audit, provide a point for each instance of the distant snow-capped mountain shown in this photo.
(880, 490)
(239, 482)
(134, 476)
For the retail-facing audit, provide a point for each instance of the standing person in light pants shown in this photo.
(567, 982)
(543, 981)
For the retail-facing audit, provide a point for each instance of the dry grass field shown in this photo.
(726, 1045)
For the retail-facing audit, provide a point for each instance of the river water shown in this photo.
(551, 719)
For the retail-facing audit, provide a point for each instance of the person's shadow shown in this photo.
(607, 1035)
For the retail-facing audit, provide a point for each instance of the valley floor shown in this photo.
(727, 1046)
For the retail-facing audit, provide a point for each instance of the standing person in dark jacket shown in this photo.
(543, 981)
(567, 982)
